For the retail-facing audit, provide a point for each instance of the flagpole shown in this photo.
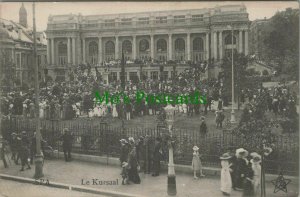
(38, 157)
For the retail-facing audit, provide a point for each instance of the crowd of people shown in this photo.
(241, 172)
(22, 147)
(75, 98)
(144, 153)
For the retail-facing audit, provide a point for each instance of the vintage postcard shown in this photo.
(149, 99)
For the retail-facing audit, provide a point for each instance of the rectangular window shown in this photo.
(154, 75)
(126, 21)
(198, 17)
(179, 19)
(143, 21)
(109, 23)
(161, 20)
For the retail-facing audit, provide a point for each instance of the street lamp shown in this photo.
(38, 157)
(232, 118)
(171, 170)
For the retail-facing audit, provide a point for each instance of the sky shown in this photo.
(10, 10)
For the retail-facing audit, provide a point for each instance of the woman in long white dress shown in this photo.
(42, 109)
(226, 182)
(114, 111)
(256, 167)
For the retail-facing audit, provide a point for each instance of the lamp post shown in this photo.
(232, 117)
(38, 156)
(171, 170)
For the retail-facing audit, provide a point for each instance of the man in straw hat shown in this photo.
(226, 182)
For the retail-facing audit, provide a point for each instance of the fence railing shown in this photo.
(100, 139)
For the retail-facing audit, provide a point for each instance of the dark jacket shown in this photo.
(67, 141)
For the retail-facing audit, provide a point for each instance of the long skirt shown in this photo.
(226, 183)
(133, 176)
(248, 189)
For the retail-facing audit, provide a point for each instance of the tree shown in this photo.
(240, 62)
(281, 39)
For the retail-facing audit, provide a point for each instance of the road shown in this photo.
(16, 189)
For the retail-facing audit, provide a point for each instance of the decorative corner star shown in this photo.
(280, 183)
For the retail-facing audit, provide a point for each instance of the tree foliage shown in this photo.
(281, 39)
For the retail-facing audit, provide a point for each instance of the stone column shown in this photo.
(207, 45)
(117, 48)
(215, 46)
(83, 50)
(246, 42)
(170, 48)
(118, 75)
(69, 50)
(128, 78)
(52, 51)
(188, 42)
(134, 47)
(100, 51)
(152, 46)
(221, 45)
(149, 74)
(73, 50)
(240, 41)
(48, 51)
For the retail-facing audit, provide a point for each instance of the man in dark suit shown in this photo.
(156, 157)
(203, 127)
(67, 139)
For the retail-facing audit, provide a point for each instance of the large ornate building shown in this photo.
(16, 41)
(180, 35)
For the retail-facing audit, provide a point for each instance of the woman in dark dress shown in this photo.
(133, 164)
(247, 184)
(241, 168)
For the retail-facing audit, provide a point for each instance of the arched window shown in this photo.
(127, 46)
(228, 39)
(179, 44)
(198, 44)
(93, 52)
(161, 45)
(62, 53)
(144, 45)
(109, 48)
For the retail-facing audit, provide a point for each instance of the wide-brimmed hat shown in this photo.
(195, 148)
(123, 141)
(202, 118)
(65, 129)
(225, 156)
(131, 140)
(242, 152)
(124, 164)
(24, 133)
(256, 158)
(14, 134)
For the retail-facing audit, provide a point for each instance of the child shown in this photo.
(124, 173)
(196, 163)
(226, 182)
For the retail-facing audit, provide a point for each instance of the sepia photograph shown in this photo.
(149, 99)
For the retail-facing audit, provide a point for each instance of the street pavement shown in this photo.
(16, 189)
(78, 173)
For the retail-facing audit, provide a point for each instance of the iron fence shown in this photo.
(103, 140)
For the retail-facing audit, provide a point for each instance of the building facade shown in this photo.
(257, 30)
(179, 36)
(16, 43)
